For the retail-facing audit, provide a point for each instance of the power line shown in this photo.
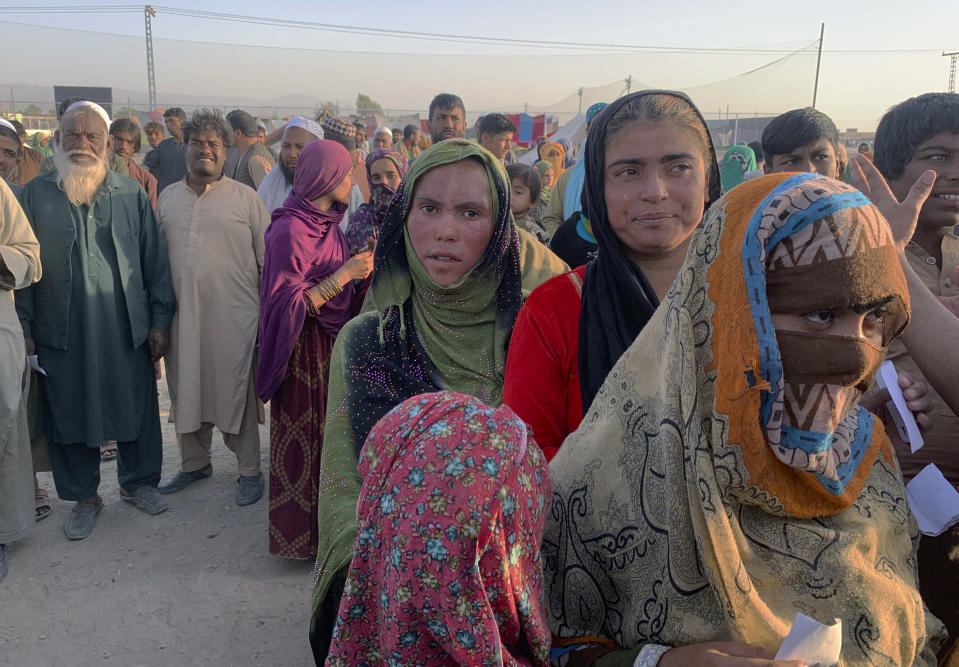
(72, 9)
(441, 37)
(447, 37)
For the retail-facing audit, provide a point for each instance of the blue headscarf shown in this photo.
(574, 187)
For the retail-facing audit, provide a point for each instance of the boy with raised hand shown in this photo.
(914, 136)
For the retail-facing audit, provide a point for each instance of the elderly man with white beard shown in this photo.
(98, 319)
(276, 186)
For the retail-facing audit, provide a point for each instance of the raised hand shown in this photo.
(902, 216)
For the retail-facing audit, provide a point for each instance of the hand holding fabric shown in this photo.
(359, 266)
(902, 216)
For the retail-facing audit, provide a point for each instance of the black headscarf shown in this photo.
(617, 298)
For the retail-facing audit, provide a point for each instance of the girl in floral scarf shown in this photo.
(446, 567)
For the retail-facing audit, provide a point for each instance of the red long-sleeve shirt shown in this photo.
(542, 368)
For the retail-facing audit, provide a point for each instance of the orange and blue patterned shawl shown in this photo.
(684, 512)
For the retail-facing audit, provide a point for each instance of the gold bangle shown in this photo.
(324, 290)
(331, 287)
(310, 306)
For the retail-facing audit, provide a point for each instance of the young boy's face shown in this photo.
(818, 157)
(940, 153)
(519, 202)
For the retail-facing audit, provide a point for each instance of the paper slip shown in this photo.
(812, 642)
(933, 500)
(35, 364)
(887, 378)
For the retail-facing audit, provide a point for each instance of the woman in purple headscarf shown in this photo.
(306, 296)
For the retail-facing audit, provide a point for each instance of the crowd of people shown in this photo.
(616, 406)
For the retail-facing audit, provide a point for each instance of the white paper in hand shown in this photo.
(812, 642)
(35, 364)
(887, 378)
(933, 501)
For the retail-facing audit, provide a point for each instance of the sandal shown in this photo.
(108, 450)
(42, 507)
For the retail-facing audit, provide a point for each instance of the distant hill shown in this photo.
(42, 96)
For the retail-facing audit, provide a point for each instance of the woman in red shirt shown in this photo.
(651, 171)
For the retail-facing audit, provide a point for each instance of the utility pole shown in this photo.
(953, 56)
(815, 89)
(629, 83)
(151, 71)
(580, 93)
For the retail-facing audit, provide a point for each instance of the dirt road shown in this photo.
(192, 586)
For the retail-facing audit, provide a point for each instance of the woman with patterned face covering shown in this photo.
(385, 168)
(726, 476)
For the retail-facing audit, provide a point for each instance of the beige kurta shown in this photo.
(215, 245)
(942, 442)
(19, 267)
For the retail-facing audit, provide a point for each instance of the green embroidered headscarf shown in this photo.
(452, 322)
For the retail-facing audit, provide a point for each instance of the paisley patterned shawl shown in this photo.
(446, 567)
(673, 519)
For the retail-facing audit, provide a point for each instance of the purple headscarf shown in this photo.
(368, 219)
(304, 245)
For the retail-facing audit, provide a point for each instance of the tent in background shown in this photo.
(574, 131)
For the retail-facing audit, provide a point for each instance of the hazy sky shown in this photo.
(854, 89)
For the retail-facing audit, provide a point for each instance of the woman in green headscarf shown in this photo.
(451, 272)
(737, 162)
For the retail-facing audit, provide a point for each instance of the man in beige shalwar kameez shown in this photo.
(19, 267)
(213, 228)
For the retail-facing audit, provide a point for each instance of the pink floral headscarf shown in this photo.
(446, 567)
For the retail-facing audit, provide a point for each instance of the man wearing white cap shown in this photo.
(382, 138)
(213, 228)
(11, 152)
(98, 319)
(276, 186)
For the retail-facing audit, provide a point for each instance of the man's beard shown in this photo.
(79, 181)
(287, 173)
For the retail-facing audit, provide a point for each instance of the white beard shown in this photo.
(79, 182)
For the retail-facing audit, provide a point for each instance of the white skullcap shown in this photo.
(381, 130)
(6, 123)
(95, 108)
(310, 126)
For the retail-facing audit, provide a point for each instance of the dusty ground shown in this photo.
(195, 585)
